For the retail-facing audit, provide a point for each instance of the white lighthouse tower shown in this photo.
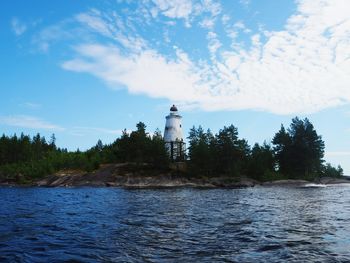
(173, 135)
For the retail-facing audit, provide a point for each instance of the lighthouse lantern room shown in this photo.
(173, 135)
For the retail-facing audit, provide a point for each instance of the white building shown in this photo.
(173, 136)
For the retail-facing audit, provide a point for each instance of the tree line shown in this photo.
(23, 159)
(296, 153)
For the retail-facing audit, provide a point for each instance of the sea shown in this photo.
(259, 224)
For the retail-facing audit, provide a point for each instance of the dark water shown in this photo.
(175, 225)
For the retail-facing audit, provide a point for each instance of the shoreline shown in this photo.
(129, 176)
(290, 183)
(238, 185)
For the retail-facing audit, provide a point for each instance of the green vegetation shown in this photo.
(222, 154)
(294, 153)
(24, 159)
(299, 150)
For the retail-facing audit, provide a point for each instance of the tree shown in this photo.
(283, 143)
(222, 154)
(262, 162)
(121, 147)
(99, 146)
(300, 150)
(140, 147)
(52, 142)
(231, 152)
(330, 171)
(297, 153)
(158, 155)
(199, 151)
(138, 143)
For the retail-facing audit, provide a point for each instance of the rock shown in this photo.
(286, 183)
(145, 176)
(331, 180)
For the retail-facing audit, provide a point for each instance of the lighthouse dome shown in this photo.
(173, 108)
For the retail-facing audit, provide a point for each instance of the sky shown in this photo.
(85, 70)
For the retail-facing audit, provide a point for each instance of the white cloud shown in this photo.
(116, 30)
(301, 69)
(207, 23)
(241, 26)
(82, 129)
(245, 3)
(337, 154)
(174, 9)
(213, 43)
(187, 10)
(212, 7)
(95, 22)
(31, 105)
(51, 34)
(18, 27)
(138, 72)
(225, 19)
(28, 122)
(85, 27)
(31, 122)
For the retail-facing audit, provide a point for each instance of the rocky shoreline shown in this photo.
(129, 176)
(121, 175)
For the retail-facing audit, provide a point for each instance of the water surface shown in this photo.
(267, 224)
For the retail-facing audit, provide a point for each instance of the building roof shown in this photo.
(173, 108)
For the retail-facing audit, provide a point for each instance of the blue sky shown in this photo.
(85, 69)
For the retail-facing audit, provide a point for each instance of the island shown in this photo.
(139, 160)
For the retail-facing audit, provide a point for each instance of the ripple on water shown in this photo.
(189, 225)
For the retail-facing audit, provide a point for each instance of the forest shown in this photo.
(294, 153)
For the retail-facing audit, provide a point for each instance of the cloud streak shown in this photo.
(302, 69)
(31, 105)
(337, 154)
(30, 122)
(83, 129)
(18, 27)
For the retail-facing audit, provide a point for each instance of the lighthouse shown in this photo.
(173, 135)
